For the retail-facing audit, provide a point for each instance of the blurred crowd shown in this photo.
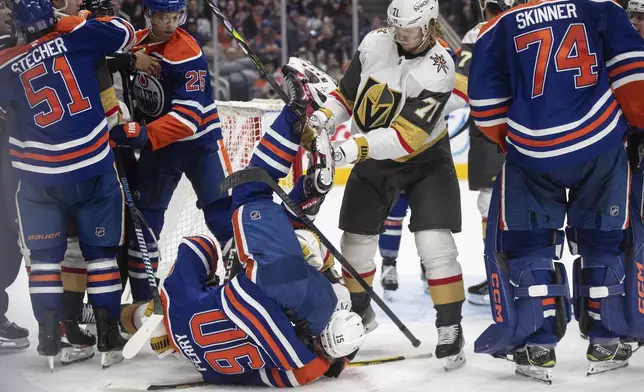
(318, 30)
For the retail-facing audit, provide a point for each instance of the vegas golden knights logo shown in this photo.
(376, 105)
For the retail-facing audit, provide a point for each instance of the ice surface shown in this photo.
(26, 371)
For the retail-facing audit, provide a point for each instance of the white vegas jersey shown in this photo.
(395, 98)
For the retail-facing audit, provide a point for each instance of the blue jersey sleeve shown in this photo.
(193, 110)
(108, 35)
(624, 55)
(489, 83)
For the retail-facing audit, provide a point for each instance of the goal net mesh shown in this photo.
(243, 124)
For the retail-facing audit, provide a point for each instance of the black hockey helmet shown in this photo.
(99, 8)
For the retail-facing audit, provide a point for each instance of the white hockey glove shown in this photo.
(344, 297)
(353, 150)
(321, 171)
(310, 248)
(321, 120)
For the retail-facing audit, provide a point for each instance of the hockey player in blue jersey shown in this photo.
(278, 321)
(62, 158)
(557, 83)
(182, 135)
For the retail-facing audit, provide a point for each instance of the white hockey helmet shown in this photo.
(410, 14)
(636, 6)
(320, 84)
(501, 5)
(343, 334)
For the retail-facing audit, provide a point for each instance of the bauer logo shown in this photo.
(149, 94)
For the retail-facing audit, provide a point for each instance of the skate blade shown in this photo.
(453, 362)
(543, 375)
(14, 345)
(69, 355)
(479, 300)
(605, 366)
(111, 358)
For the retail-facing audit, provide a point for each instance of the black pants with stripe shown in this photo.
(10, 256)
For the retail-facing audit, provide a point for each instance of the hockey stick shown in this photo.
(249, 52)
(258, 174)
(138, 340)
(194, 384)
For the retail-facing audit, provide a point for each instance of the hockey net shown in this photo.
(243, 124)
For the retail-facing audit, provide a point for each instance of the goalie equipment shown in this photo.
(607, 356)
(343, 335)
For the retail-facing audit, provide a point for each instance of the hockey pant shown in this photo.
(158, 174)
(97, 207)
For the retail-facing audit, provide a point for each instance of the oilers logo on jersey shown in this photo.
(377, 105)
(149, 94)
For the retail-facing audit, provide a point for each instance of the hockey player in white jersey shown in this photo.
(395, 90)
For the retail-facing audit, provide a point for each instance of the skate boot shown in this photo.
(12, 337)
(87, 315)
(77, 343)
(361, 304)
(607, 357)
(535, 362)
(389, 277)
(478, 294)
(449, 348)
(49, 338)
(110, 342)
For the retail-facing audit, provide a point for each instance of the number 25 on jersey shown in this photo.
(573, 54)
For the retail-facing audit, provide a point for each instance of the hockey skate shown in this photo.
(389, 278)
(49, 338)
(12, 337)
(87, 315)
(449, 348)
(361, 304)
(535, 362)
(478, 294)
(77, 344)
(607, 357)
(110, 342)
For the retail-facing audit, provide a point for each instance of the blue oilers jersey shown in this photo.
(556, 82)
(233, 334)
(61, 133)
(177, 104)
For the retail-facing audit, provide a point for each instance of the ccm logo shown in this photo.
(496, 296)
(35, 237)
(640, 287)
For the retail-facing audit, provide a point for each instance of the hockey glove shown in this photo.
(321, 120)
(321, 171)
(353, 150)
(129, 134)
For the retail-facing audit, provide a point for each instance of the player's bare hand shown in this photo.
(147, 64)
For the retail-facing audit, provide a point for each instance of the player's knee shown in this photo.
(74, 268)
(218, 216)
(359, 250)
(587, 242)
(437, 251)
(91, 252)
(49, 255)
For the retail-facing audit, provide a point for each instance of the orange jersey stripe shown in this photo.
(571, 136)
(282, 154)
(224, 153)
(210, 118)
(253, 320)
(45, 278)
(103, 277)
(64, 157)
(311, 371)
(626, 68)
(188, 113)
(496, 133)
(208, 249)
(491, 112)
(277, 378)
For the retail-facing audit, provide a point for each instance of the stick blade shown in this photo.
(142, 336)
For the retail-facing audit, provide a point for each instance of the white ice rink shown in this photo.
(26, 371)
